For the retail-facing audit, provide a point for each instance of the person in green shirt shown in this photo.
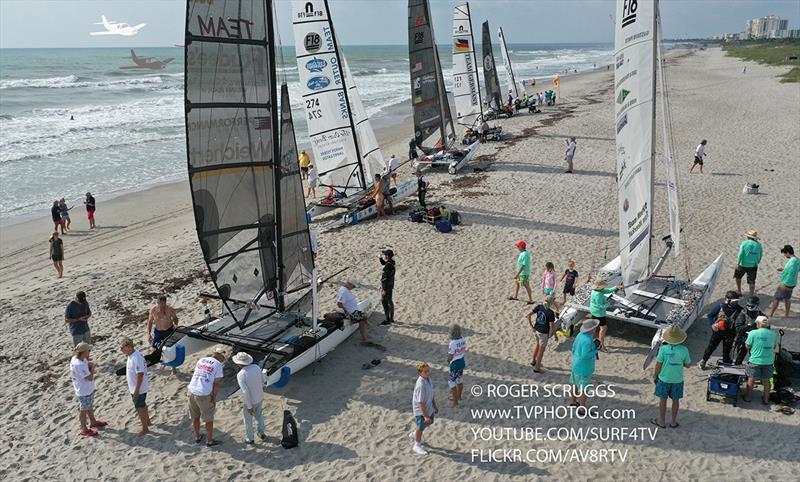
(523, 272)
(750, 253)
(761, 343)
(584, 354)
(672, 358)
(788, 282)
(597, 307)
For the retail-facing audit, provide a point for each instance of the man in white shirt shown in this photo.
(203, 391)
(570, 153)
(136, 371)
(347, 302)
(251, 382)
(699, 155)
(81, 369)
(392, 166)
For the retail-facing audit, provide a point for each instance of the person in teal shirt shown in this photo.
(668, 374)
(597, 307)
(584, 353)
(788, 282)
(523, 272)
(761, 343)
(750, 253)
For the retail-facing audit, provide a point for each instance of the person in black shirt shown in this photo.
(543, 327)
(387, 285)
(90, 209)
(57, 253)
(412, 149)
(55, 213)
(722, 318)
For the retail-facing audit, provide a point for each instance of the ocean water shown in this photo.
(128, 134)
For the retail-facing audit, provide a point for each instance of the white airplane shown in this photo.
(117, 28)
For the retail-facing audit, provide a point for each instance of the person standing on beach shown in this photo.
(251, 382)
(570, 279)
(523, 274)
(91, 207)
(305, 163)
(55, 213)
(312, 182)
(456, 361)
(136, 372)
(422, 187)
(203, 389)
(412, 150)
(598, 305)
(750, 253)
(787, 283)
(722, 319)
(570, 153)
(423, 405)
(57, 253)
(584, 354)
(64, 211)
(542, 329)
(549, 282)
(387, 191)
(744, 324)
(165, 320)
(387, 285)
(81, 370)
(761, 344)
(377, 195)
(391, 166)
(76, 316)
(699, 155)
(672, 358)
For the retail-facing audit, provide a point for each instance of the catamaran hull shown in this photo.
(469, 153)
(453, 165)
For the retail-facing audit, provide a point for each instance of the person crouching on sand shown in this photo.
(521, 277)
(423, 404)
(251, 382)
(455, 359)
(584, 354)
(81, 370)
(136, 372)
(672, 358)
(57, 253)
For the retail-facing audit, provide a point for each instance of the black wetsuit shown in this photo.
(387, 286)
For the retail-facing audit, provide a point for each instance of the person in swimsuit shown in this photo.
(377, 194)
(165, 321)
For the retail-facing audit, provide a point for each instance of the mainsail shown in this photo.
(634, 113)
(232, 145)
(466, 86)
(433, 123)
(371, 157)
(512, 84)
(493, 95)
(331, 125)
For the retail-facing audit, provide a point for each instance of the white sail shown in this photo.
(330, 126)
(633, 83)
(512, 83)
(669, 161)
(371, 157)
(466, 87)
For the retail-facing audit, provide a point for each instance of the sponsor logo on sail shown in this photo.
(263, 123)
(461, 45)
(312, 42)
(620, 61)
(460, 29)
(221, 27)
(417, 68)
(318, 83)
(419, 37)
(623, 93)
(310, 12)
(622, 123)
(419, 21)
(629, 8)
(316, 65)
(488, 63)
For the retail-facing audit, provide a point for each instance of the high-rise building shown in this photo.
(767, 27)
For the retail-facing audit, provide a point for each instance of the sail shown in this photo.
(294, 252)
(231, 142)
(512, 84)
(466, 86)
(371, 157)
(324, 98)
(633, 83)
(433, 123)
(669, 161)
(493, 95)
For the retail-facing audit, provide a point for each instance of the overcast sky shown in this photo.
(67, 23)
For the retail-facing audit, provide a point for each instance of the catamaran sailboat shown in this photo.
(648, 299)
(346, 152)
(494, 98)
(248, 197)
(434, 132)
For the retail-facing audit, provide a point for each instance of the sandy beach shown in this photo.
(353, 424)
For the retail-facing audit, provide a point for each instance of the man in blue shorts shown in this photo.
(165, 320)
(672, 358)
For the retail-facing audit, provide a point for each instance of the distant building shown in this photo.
(769, 27)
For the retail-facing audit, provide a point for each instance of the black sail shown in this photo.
(433, 122)
(231, 142)
(494, 97)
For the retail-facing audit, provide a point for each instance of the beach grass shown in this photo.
(776, 52)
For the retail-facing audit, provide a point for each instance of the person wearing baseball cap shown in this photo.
(387, 285)
(722, 319)
(203, 389)
(81, 370)
(251, 382)
(523, 272)
(761, 343)
(584, 354)
(787, 283)
(745, 323)
(672, 358)
(750, 253)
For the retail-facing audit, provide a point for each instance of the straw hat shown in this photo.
(674, 335)
(242, 358)
(751, 233)
(600, 284)
(589, 325)
(82, 347)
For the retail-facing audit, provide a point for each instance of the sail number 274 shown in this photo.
(312, 107)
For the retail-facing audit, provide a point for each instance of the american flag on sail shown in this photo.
(417, 68)
(461, 45)
(263, 123)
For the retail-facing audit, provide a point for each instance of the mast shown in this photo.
(276, 172)
(364, 182)
(656, 61)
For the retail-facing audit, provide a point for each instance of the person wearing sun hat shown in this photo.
(584, 354)
(523, 272)
(750, 253)
(251, 382)
(598, 304)
(672, 358)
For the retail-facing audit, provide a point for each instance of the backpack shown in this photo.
(416, 216)
(444, 226)
(455, 218)
(289, 431)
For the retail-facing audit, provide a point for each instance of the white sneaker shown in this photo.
(412, 434)
(702, 365)
(420, 449)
